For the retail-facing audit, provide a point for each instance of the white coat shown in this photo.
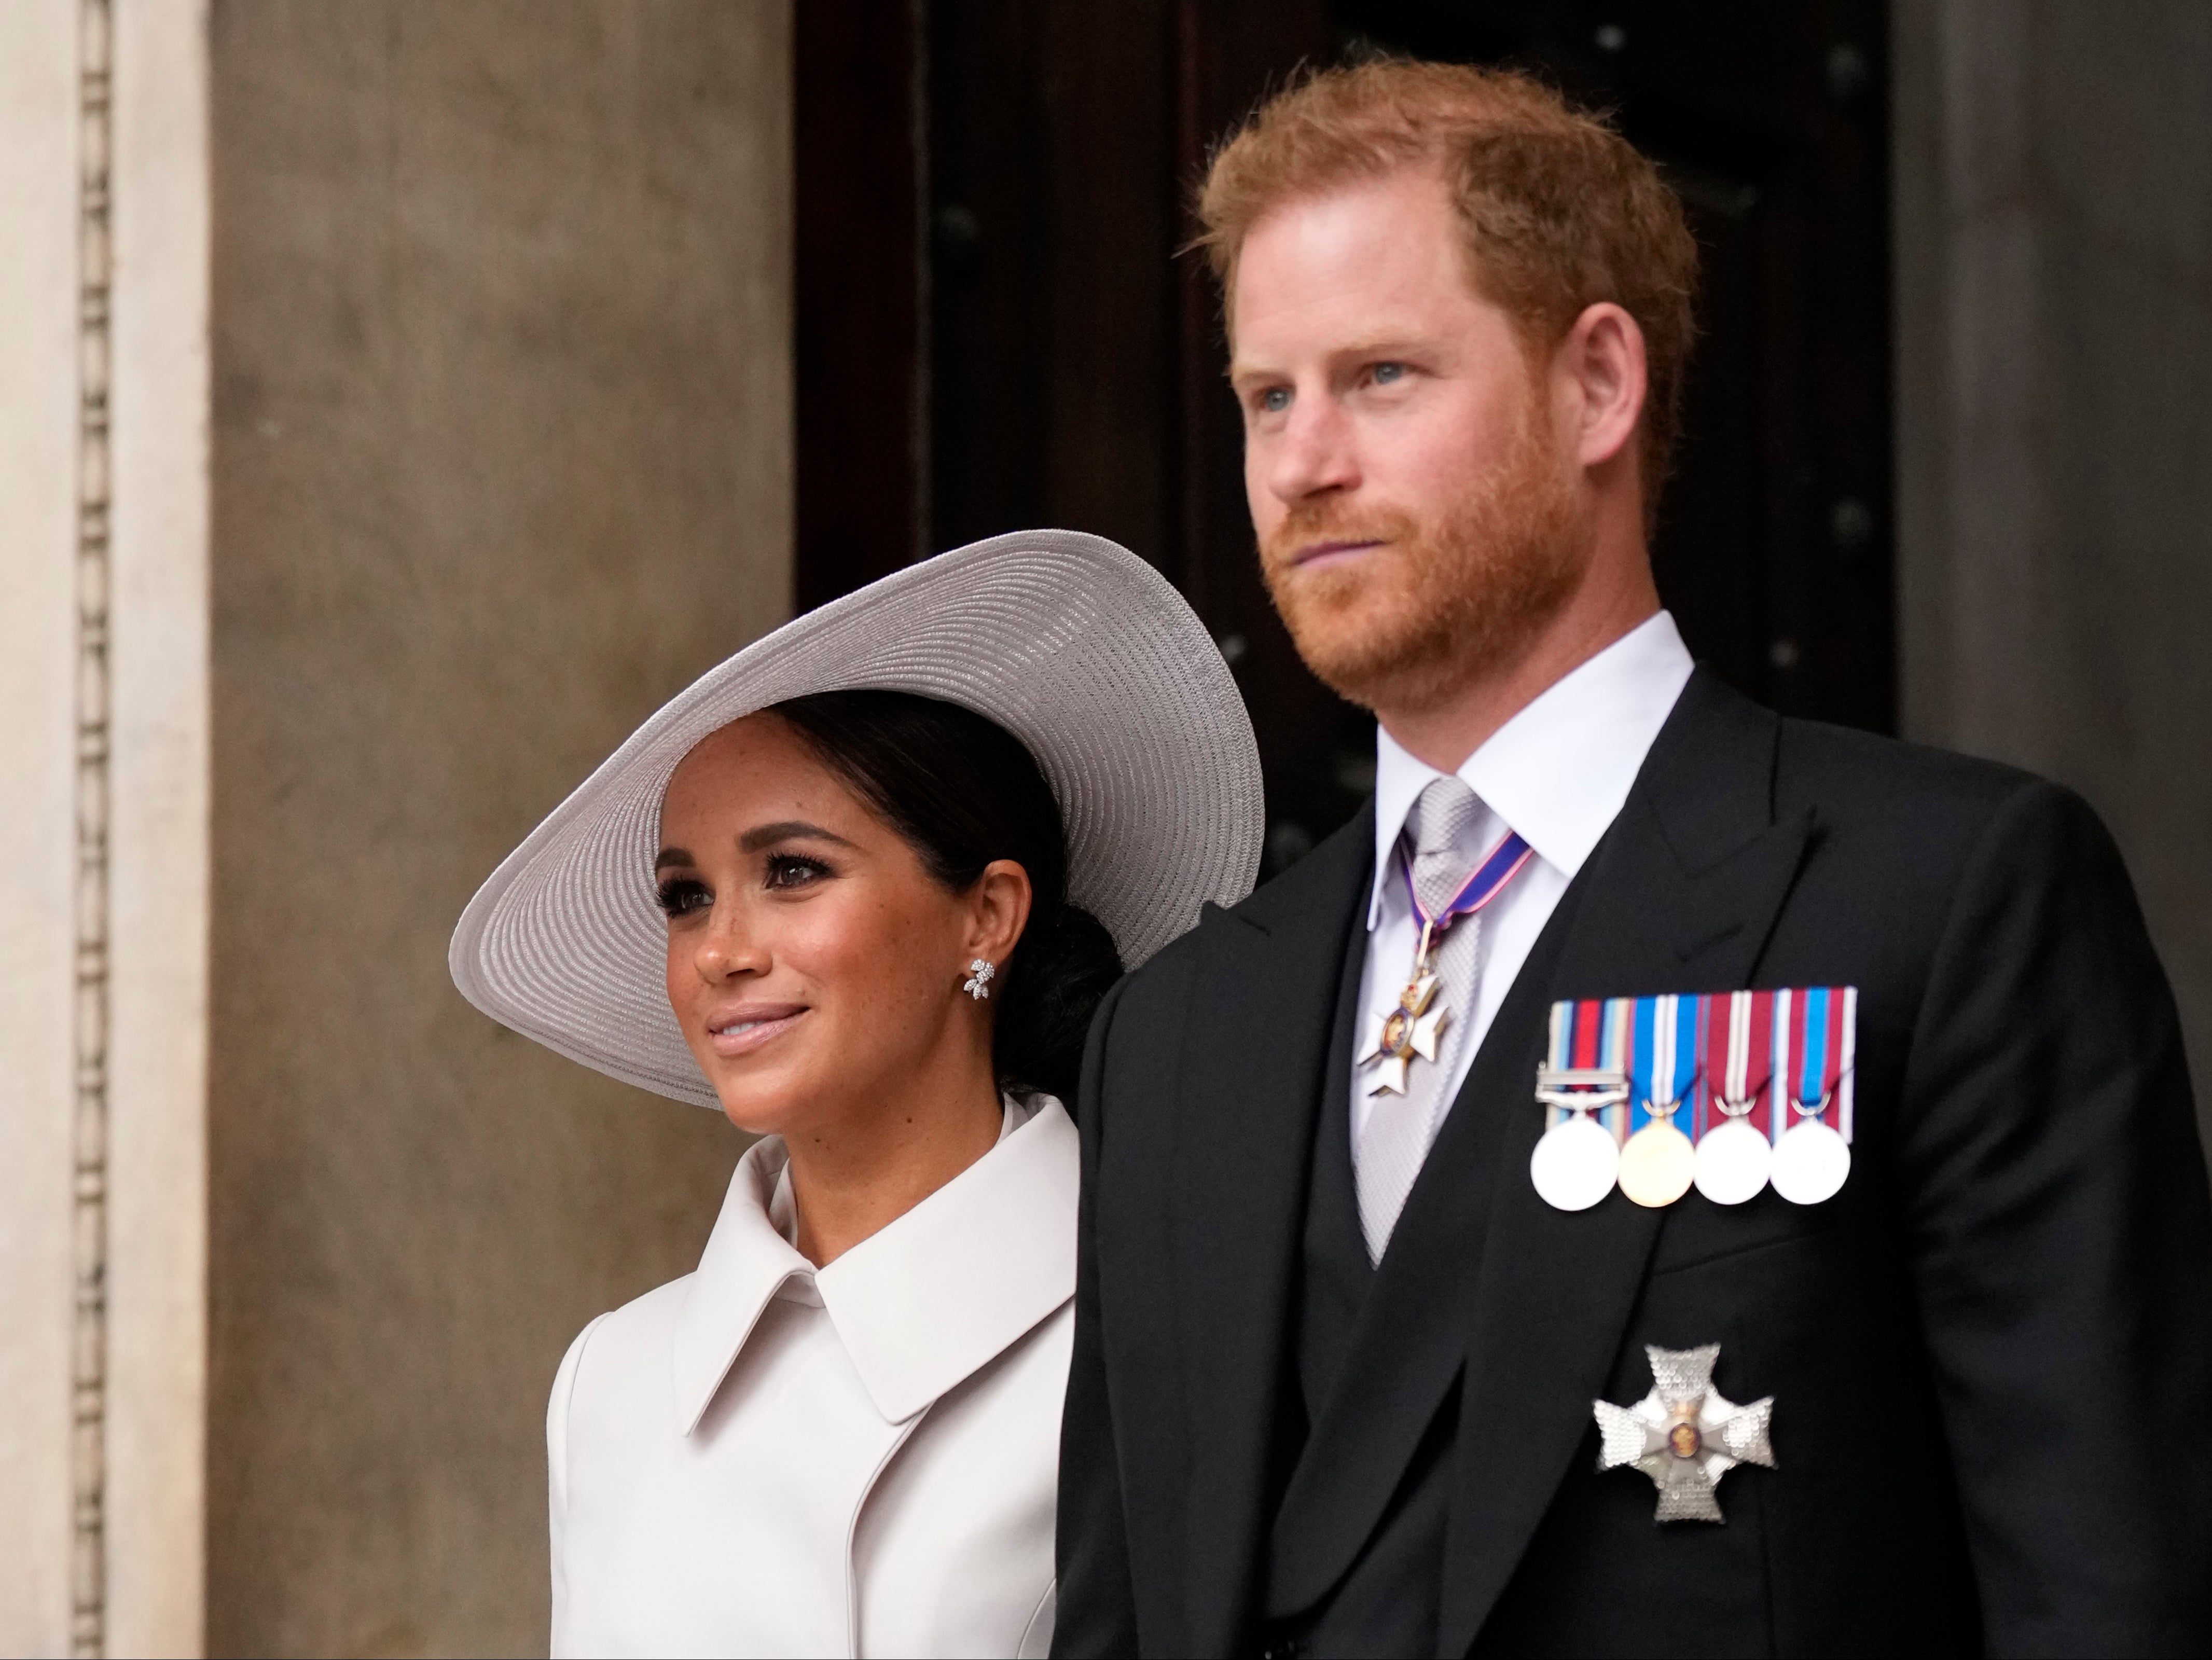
(766, 1458)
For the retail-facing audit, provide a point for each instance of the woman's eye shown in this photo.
(681, 894)
(791, 870)
(1384, 374)
(1274, 400)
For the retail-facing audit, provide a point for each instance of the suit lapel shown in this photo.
(1680, 895)
(1250, 1083)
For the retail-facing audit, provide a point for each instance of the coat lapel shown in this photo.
(1249, 1086)
(1680, 895)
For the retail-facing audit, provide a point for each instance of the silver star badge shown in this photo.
(1685, 1434)
(1411, 1027)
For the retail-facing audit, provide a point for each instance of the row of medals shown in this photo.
(1577, 1162)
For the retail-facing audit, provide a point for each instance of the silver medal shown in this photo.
(1810, 1161)
(1732, 1161)
(1574, 1164)
(1811, 1158)
(1576, 1159)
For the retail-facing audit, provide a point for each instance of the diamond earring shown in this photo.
(978, 984)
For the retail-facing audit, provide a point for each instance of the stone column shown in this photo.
(394, 409)
(103, 857)
(2054, 311)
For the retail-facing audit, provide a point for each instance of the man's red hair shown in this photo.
(1559, 211)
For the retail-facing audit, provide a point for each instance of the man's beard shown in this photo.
(1445, 603)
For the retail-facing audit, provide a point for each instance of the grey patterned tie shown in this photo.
(1395, 1140)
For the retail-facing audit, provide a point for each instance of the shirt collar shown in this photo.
(918, 1305)
(1559, 771)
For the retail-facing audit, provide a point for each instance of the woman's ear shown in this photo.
(997, 911)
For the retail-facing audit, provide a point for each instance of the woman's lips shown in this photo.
(744, 1031)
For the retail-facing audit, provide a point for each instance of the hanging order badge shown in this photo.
(1412, 1028)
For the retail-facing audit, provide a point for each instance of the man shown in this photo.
(1890, 1327)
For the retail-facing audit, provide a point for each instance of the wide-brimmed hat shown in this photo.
(1071, 643)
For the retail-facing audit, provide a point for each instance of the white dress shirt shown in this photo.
(1557, 772)
(767, 1459)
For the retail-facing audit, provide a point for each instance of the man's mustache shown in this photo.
(1310, 523)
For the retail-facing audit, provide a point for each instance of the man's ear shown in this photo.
(1602, 360)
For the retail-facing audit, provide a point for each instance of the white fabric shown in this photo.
(1074, 645)
(764, 1458)
(1558, 772)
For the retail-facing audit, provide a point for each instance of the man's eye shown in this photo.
(1275, 400)
(1384, 374)
(680, 895)
(791, 870)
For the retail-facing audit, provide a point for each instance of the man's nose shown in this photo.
(1313, 451)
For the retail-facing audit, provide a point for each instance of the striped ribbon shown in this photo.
(1762, 1047)
(1487, 880)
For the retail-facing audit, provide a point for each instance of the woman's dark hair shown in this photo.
(964, 791)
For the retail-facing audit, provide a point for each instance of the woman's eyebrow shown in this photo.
(672, 856)
(786, 829)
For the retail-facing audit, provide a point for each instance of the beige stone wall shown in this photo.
(501, 460)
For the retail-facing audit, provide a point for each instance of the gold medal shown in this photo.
(1658, 1162)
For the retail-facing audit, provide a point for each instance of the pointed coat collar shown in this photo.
(919, 1305)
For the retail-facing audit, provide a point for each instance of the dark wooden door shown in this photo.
(1002, 185)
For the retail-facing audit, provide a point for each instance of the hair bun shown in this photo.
(1062, 972)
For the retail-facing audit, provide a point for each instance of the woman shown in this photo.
(860, 886)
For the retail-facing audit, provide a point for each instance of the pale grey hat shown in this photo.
(1071, 643)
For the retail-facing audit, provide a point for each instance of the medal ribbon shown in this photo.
(1761, 1047)
(1487, 880)
(1664, 1060)
(1821, 1029)
(1738, 1030)
(1594, 1034)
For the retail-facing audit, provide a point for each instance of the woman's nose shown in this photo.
(727, 949)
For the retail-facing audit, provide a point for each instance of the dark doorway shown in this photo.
(994, 331)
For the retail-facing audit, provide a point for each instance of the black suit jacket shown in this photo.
(1990, 1354)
